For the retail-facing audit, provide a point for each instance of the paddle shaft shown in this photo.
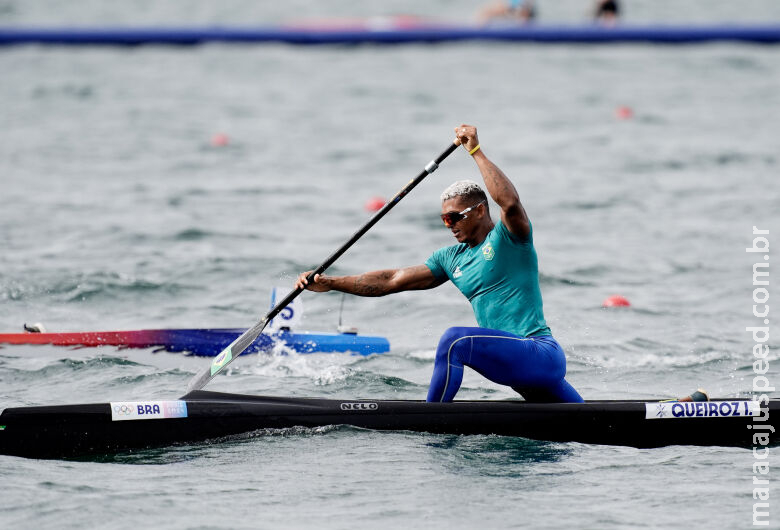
(235, 349)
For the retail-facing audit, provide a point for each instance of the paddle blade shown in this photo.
(227, 356)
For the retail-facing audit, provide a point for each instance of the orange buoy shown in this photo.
(616, 301)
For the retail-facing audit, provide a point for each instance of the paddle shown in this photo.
(235, 349)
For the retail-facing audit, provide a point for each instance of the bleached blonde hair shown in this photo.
(464, 188)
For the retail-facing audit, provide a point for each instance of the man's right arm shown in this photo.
(375, 283)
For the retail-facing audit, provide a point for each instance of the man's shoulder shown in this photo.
(443, 259)
(451, 250)
(500, 230)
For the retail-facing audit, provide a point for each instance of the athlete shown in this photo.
(495, 266)
(522, 11)
(607, 12)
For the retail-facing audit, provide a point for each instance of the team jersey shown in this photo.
(500, 278)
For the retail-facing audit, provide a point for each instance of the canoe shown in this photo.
(64, 431)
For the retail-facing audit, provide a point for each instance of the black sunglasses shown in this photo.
(450, 218)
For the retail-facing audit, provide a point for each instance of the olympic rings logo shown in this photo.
(124, 410)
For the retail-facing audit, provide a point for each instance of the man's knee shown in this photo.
(452, 334)
(450, 343)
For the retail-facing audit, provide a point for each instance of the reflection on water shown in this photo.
(494, 456)
(225, 445)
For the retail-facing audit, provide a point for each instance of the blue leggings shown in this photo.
(533, 366)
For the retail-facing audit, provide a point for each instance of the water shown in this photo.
(117, 213)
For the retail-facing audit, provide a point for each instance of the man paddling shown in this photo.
(495, 266)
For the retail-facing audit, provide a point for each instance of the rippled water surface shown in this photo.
(117, 212)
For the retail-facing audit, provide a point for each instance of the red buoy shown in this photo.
(220, 140)
(616, 301)
(374, 204)
(624, 113)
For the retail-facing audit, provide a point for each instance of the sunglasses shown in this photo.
(450, 218)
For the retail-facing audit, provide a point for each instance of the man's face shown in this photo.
(452, 211)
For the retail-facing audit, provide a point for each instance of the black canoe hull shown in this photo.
(77, 430)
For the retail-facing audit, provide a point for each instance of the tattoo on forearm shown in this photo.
(364, 287)
(372, 283)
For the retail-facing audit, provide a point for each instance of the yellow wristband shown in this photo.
(474, 150)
